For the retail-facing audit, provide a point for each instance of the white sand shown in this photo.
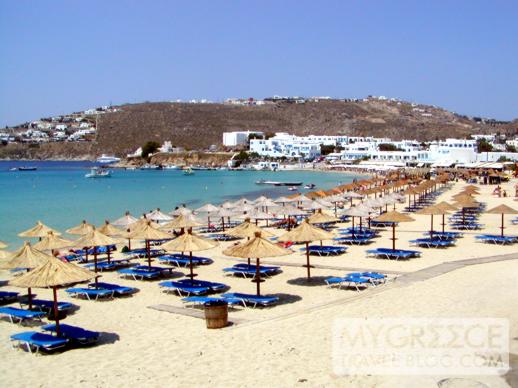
(287, 345)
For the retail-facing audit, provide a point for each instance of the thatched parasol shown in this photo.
(181, 211)
(445, 206)
(182, 222)
(148, 233)
(109, 230)
(53, 273)
(432, 211)
(158, 216)
(189, 242)
(306, 233)
(357, 211)
(320, 217)
(464, 203)
(394, 217)
(284, 200)
(83, 228)
(208, 209)
(125, 221)
(95, 239)
(3, 245)
(502, 209)
(259, 248)
(52, 242)
(247, 230)
(26, 257)
(289, 211)
(39, 230)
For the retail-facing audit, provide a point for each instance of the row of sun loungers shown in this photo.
(187, 287)
(180, 260)
(234, 298)
(325, 250)
(395, 254)
(497, 239)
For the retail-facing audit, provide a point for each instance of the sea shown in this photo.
(59, 195)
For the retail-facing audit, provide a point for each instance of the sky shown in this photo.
(61, 56)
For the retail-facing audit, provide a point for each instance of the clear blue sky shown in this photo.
(60, 56)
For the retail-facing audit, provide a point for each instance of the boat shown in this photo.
(292, 188)
(171, 167)
(107, 159)
(150, 167)
(277, 183)
(97, 172)
(310, 186)
(26, 168)
(188, 171)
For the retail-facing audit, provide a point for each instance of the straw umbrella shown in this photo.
(95, 239)
(81, 229)
(158, 216)
(464, 203)
(284, 200)
(222, 213)
(257, 215)
(53, 273)
(502, 209)
(109, 230)
(306, 233)
(3, 245)
(432, 211)
(247, 230)
(446, 207)
(26, 257)
(352, 195)
(125, 221)
(182, 222)
(357, 211)
(259, 248)
(207, 208)
(181, 211)
(289, 211)
(52, 242)
(189, 242)
(39, 230)
(148, 233)
(320, 217)
(394, 217)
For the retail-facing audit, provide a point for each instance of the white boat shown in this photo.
(171, 167)
(107, 159)
(188, 171)
(292, 188)
(97, 172)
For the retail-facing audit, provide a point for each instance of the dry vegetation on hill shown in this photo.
(197, 126)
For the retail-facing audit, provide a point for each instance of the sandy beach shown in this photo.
(289, 344)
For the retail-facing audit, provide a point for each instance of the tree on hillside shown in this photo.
(510, 148)
(484, 146)
(149, 148)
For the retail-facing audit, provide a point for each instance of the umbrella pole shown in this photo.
(148, 253)
(431, 226)
(190, 266)
(307, 260)
(223, 223)
(108, 251)
(352, 230)
(394, 236)
(56, 315)
(129, 244)
(443, 222)
(502, 227)
(257, 277)
(248, 238)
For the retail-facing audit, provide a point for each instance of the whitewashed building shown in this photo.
(232, 139)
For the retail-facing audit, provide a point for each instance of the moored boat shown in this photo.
(97, 172)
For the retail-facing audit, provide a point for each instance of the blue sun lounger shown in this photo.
(35, 341)
(245, 270)
(180, 260)
(213, 286)
(8, 297)
(325, 250)
(102, 266)
(17, 315)
(252, 300)
(356, 240)
(76, 335)
(432, 243)
(90, 293)
(117, 290)
(382, 224)
(496, 239)
(47, 305)
(466, 226)
(396, 254)
(444, 235)
(356, 282)
(201, 300)
(143, 272)
(183, 289)
(141, 252)
(375, 278)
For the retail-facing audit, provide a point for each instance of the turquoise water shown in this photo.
(59, 195)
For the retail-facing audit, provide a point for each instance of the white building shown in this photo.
(232, 139)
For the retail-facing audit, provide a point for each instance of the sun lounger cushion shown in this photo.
(253, 300)
(39, 341)
(17, 315)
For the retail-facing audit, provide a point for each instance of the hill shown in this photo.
(197, 126)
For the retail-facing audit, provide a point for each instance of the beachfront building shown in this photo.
(290, 146)
(232, 139)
